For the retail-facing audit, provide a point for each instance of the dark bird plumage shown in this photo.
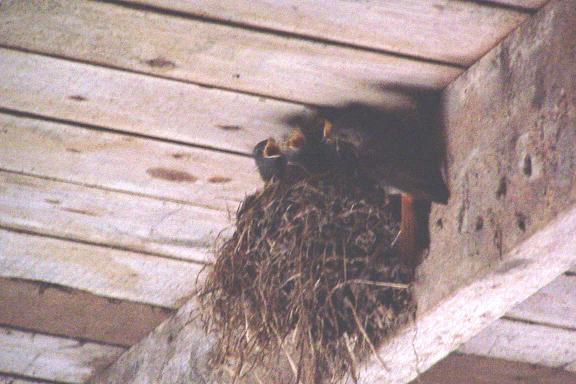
(386, 144)
(307, 149)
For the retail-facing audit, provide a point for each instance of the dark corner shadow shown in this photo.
(403, 147)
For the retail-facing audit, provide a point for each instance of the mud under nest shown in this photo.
(309, 282)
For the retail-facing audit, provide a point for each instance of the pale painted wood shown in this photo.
(450, 31)
(100, 271)
(119, 162)
(555, 304)
(52, 358)
(529, 343)
(5, 379)
(128, 221)
(464, 369)
(140, 104)
(59, 310)
(213, 54)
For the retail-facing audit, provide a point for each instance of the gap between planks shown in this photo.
(439, 32)
(217, 55)
(141, 104)
(100, 271)
(55, 359)
(125, 163)
(58, 310)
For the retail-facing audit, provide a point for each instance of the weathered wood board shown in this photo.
(451, 31)
(529, 343)
(555, 304)
(125, 163)
(59, 310)
(109, 218)
(213, 54)
(143, 105)
(52, 358)
(101, 271)
(508, 230)
(463, 369)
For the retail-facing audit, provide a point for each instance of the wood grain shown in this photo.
(52, 358)
(140, 104)
(58, 310)
(213, 54)
(100, 271)
(461, 369)
(114, 161)
(449, 31)
(115, 219)
(524, 342)
(555, 304)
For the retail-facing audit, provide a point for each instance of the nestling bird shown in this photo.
(307, 149)
(269, 159)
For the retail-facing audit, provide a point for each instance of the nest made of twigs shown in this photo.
(310, 274)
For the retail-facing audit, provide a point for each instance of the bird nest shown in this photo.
(309, 281)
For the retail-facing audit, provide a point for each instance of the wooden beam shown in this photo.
(213, 54)
(108, 218)
(524, 342)
(52, 358)
(138, 104)
(455, 32)
(59, 310)
(121, 162)
(508, 230)
(101, 271)
(460, 369)
(555, 304)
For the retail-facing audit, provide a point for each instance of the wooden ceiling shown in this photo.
(125, 131)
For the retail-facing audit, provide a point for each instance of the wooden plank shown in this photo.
(213, 54)
(52, 358)
(448, 31)
(59, 310)
(140, 104)
(555, 304)
(125, 163)
(101, 271)
(458, 369)
(524, 342)
(473, 273)
(126, 221)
